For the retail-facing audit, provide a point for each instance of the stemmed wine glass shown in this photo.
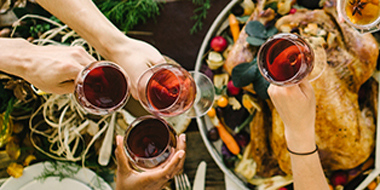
(149, 142)
(285, 59)
(102, 88)
(169, 90)
(363, 15)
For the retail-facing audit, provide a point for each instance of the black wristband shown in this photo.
(304, 153)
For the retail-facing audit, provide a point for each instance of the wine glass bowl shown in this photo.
(166, 90)
(101, 88)
(285, 59)
(149, 142)
(363, 15)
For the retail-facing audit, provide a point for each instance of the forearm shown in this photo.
(13, 56)
(307, 169)
(86, 19)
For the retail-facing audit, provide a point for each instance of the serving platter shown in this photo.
(205, 123)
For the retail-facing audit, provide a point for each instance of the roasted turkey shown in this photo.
(345, 130)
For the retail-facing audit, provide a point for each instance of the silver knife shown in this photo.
(200, 177)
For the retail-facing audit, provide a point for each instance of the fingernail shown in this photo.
(181, 154)
(183, 137)
(118, 139)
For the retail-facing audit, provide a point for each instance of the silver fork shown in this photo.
(182, 182)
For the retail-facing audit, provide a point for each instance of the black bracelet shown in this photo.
(304, 153)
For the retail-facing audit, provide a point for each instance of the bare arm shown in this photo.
(49, 68)
(85, 18)
(296, 106)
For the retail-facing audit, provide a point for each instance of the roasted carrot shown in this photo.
(228, 139)
(234, 26)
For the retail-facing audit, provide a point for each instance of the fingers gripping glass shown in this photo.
(285, 59)
(149, 142)
(170, 90)
(102, 88)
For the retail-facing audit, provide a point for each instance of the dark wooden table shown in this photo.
(170, 34)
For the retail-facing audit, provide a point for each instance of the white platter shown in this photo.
(84, 179)
(204, 123)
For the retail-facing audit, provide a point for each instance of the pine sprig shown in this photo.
(200, 14)
(125, 14)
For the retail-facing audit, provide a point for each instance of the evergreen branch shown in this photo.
(125, 14)
(200, 14)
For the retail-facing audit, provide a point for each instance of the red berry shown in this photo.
(232, 90)
(218, 43)
(292, 11)
(339, 178)
(283, 188)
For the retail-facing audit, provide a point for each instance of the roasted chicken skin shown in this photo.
(345, 131)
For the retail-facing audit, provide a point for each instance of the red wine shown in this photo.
(286, 59)
(170, 89)
(105, 86)
(150, 138)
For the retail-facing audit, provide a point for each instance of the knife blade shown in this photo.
(200, 176)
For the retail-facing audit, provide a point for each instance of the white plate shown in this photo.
(84, 179)
(54, 183)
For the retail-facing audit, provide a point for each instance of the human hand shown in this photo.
(135, 57)
(127, 178)
(53, 69)
(296, 106)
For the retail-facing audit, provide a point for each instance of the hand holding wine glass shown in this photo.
(169, 90)
(285, 59)
(102, 88)
(128, 178)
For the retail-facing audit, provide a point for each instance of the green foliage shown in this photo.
(258, 33)
(200, 14)
(221, 91)
(58, 169)
(247, 73)
(125, 14)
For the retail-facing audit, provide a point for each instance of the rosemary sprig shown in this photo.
(200, 14)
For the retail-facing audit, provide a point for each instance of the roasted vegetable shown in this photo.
(234, 26)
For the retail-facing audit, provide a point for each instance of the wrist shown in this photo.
(300, 140)
(114, 45)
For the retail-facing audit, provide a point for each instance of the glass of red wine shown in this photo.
(285, 59)
(363, 15)
(149, 142)
(102, 88)
(169, 90)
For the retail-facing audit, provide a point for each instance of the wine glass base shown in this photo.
(205, 95)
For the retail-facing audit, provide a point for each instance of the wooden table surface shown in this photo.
(170, 34)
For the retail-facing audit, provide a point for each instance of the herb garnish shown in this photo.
(258, 33)
(247, 73)
(358, 5)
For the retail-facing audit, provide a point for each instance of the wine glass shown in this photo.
(285, 59)
(363, 15)
(169, 90)
(149, 142)
(101, 88)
